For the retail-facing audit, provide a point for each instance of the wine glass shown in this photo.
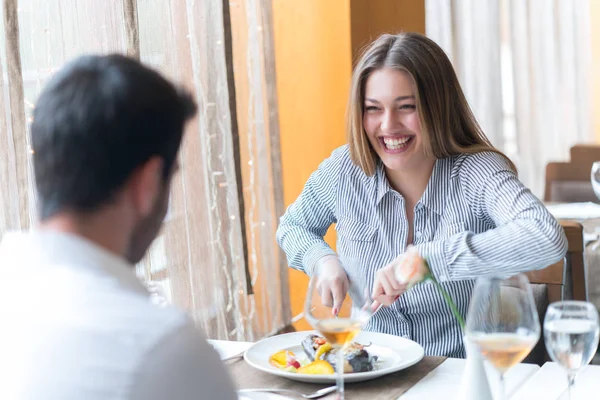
(157, 293)
(595, 178)
(571, 335)
(503, 322)
(340, 328)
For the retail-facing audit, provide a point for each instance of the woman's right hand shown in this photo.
(333, 282)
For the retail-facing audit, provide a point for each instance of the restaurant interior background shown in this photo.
(271, 78)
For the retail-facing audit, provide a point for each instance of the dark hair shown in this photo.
(96, 121)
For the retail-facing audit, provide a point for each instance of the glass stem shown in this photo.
(502, 389)
(571, 378)
(340, 373)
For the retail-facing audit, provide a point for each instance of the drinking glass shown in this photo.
(595, 178)
(503, 322)
(571, 336)
(341, 328)
(157, 293)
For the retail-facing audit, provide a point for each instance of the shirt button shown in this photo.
(417, 235)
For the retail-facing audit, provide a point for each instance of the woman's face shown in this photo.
(391, 120)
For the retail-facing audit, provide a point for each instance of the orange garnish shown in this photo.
(318, 367)
(280, 359)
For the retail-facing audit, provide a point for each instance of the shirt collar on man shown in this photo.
(47, 248)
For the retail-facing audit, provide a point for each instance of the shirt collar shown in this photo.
(383, 185)
(436, 192)
(434, 197)
(45, 248)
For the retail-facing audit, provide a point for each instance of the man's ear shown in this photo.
(146, 184)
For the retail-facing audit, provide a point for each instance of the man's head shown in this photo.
(106, 133)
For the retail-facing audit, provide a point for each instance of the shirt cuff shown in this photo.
(314, 254)
(435, 254)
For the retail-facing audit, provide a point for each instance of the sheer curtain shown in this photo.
(217, 248)
(525, 68)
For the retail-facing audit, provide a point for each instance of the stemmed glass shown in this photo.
(340, 328)
(571, 336)
(503, 322)
(157, 293)
(595, 178)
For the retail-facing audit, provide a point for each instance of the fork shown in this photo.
(315, 395)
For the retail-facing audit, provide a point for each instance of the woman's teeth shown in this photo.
(395, 144)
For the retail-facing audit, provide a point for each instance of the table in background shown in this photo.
(588, 215)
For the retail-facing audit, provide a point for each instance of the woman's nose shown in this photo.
(390, 122)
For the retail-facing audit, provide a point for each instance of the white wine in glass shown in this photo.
(503, 322)
(505, 350)
(339, 331)
(571, 336)
(339, 328)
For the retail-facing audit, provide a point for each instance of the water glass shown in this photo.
(571, 336)
(595, 178)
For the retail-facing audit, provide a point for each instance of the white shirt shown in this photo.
(77, 324)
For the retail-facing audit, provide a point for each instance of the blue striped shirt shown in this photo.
(474, 218)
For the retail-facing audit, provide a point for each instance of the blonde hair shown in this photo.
(447, 122)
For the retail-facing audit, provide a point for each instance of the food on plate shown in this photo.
(356, 358)
(318, 367)
(284, 359)
(320, 358)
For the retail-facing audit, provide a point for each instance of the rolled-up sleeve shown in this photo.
(306, 221)
(526, 236)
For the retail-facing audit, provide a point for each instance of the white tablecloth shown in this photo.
(576, 211)
(444, 381)
(550, 382)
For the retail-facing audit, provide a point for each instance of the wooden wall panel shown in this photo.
(371, 18)
(315, 41)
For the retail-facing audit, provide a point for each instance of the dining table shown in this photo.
(430, 378)
(588, 215)
(440, 377)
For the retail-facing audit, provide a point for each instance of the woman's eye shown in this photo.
(371, 108)
(408, 107)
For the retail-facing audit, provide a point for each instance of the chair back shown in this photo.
(563, 280)
(570, 181)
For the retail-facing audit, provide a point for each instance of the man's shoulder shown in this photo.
(147, 321)
(181, 364)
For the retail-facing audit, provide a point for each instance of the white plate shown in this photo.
(262, 396)
(394, 353)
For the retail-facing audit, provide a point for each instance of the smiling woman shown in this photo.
(392, 124)
(417, 170)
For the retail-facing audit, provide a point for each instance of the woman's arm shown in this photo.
(526, 236)
(305, 222)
